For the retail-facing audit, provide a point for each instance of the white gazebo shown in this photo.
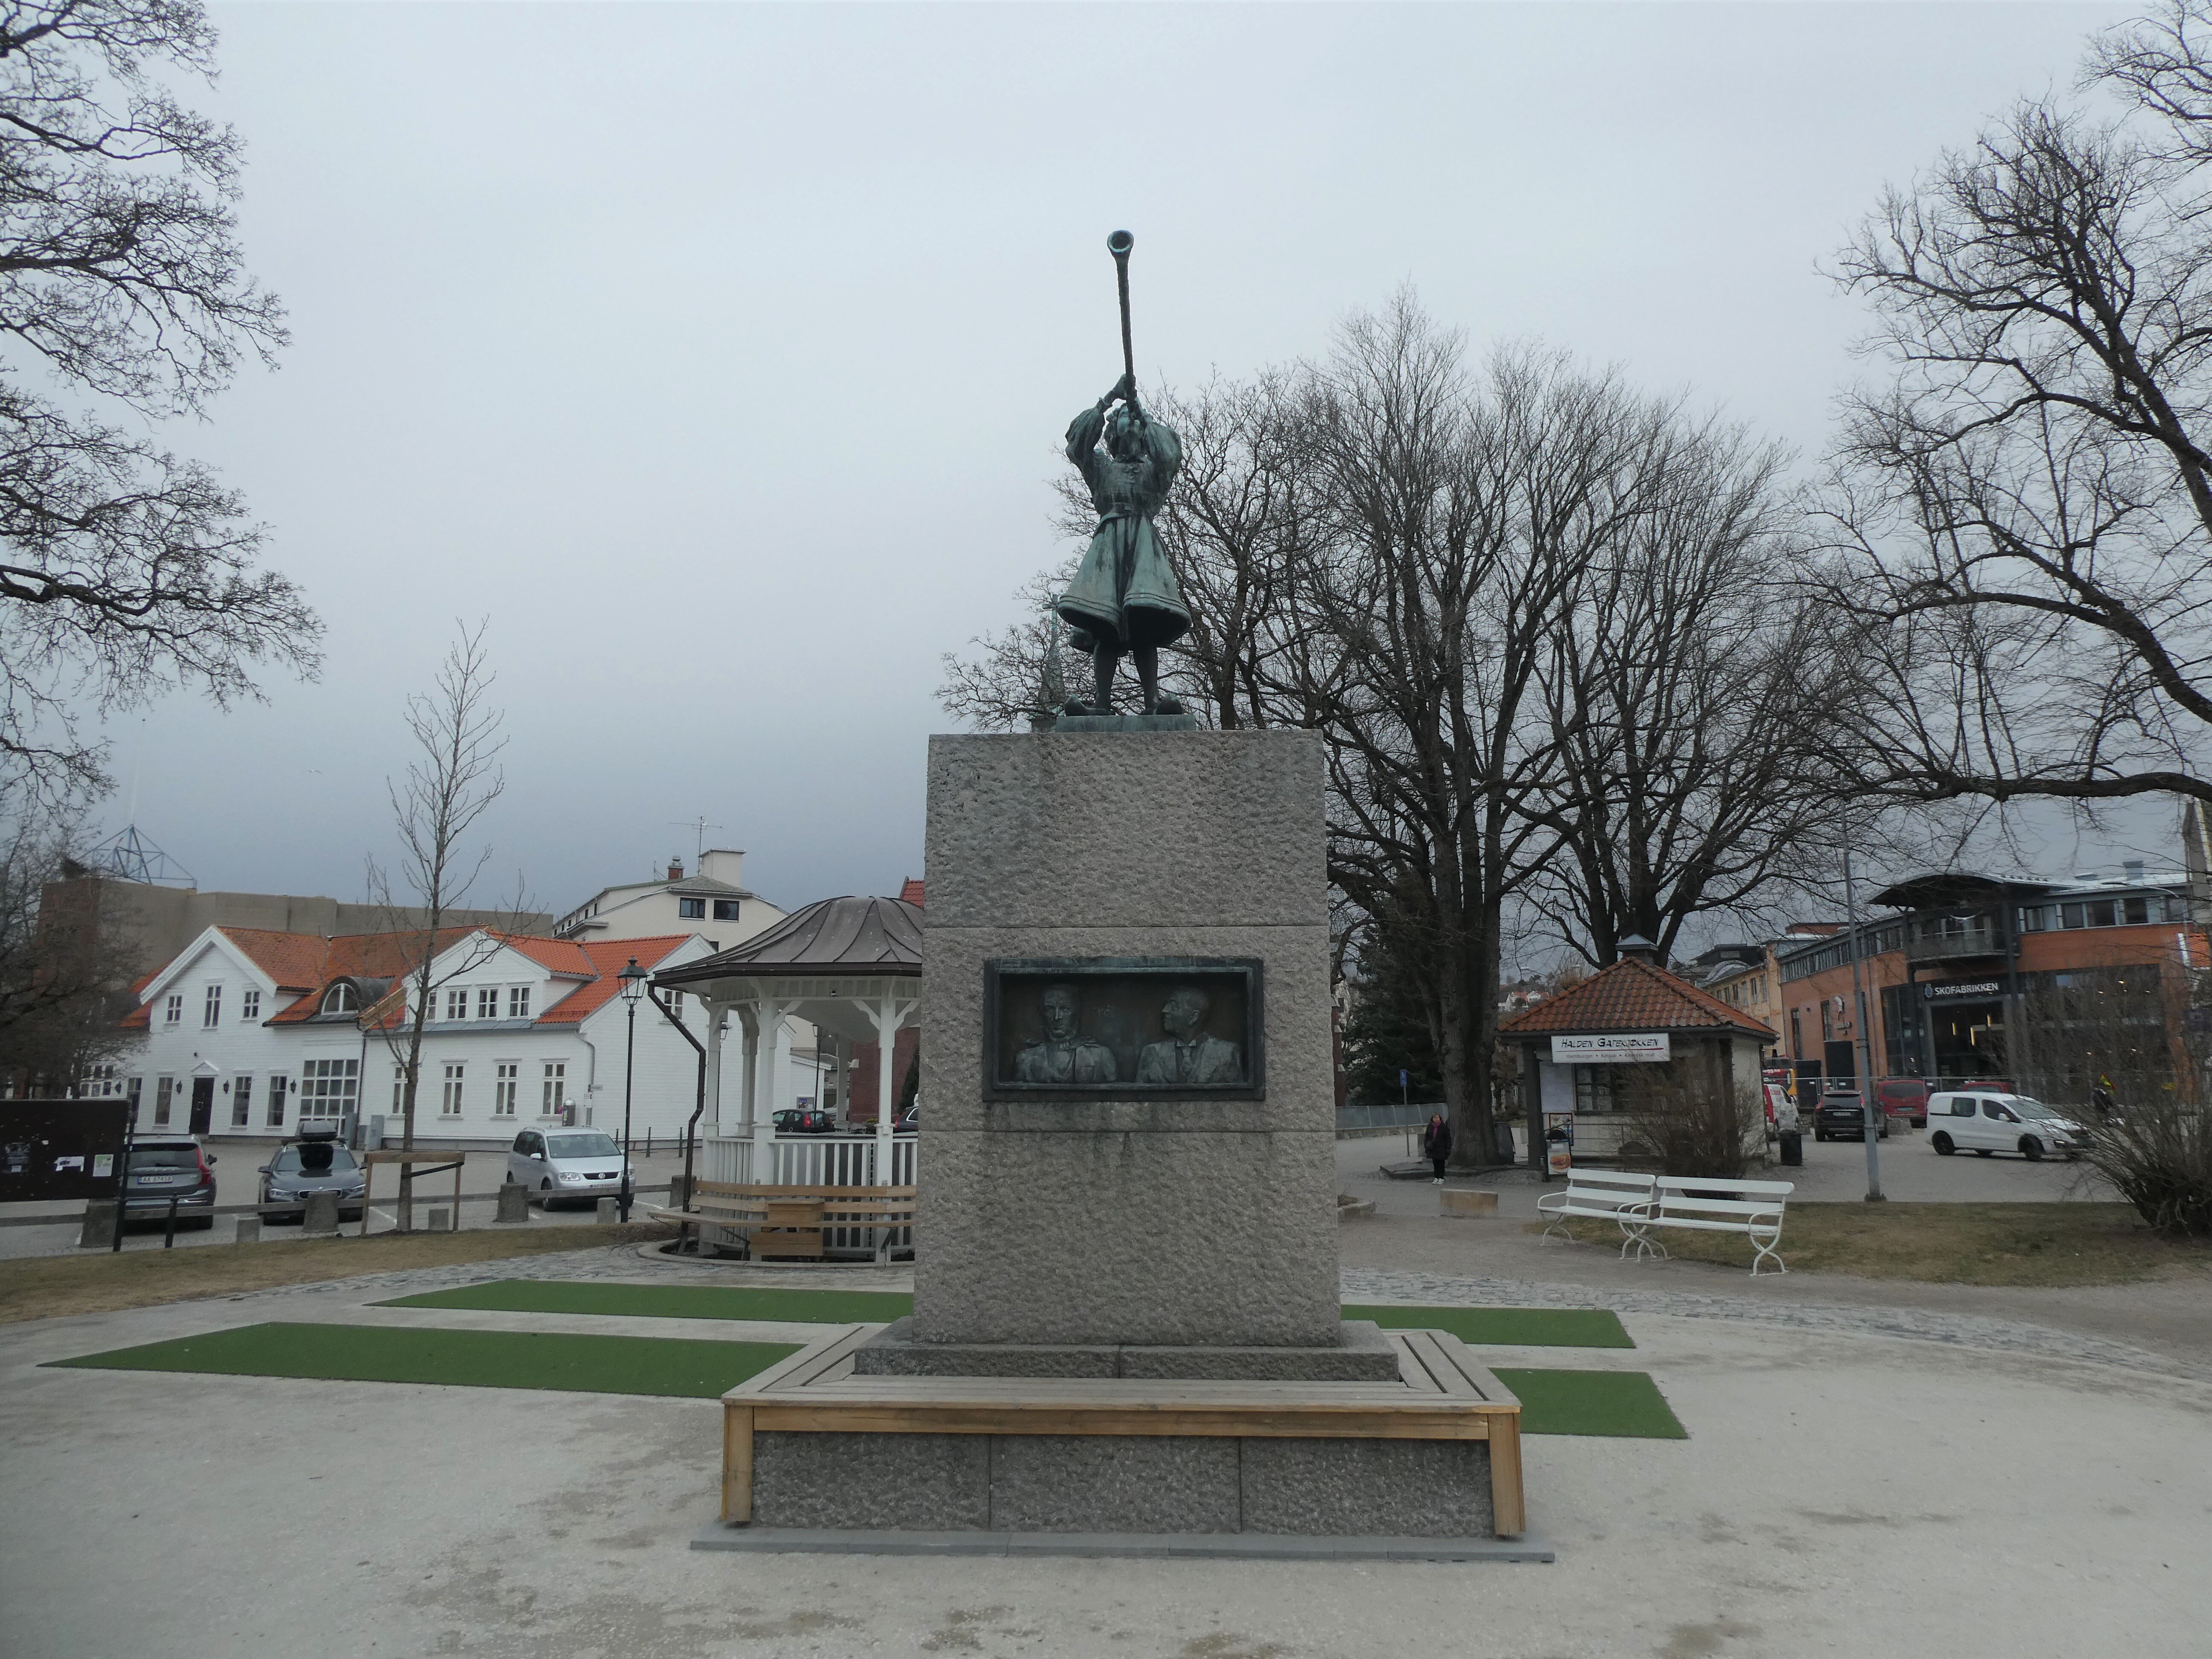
(852, 968)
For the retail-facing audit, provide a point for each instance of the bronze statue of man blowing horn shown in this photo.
(1124, 599)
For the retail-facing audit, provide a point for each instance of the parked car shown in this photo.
(803, 1120)
(908, 1121)
(560, 1165)
(1842, 1116)
(314, 1163)
(1985, 1124)
(163, 1167)
(1903, 1096)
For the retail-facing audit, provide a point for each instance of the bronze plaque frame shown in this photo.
(1120, 1006)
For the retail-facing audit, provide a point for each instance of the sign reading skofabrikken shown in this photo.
(1611, 1047)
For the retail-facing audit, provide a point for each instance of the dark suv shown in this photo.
(1842, 1116)
(163, 1167)
(803, 1121)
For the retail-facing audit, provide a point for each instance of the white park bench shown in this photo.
(1598, 1196)
(1708, 1204)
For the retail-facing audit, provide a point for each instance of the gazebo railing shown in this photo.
(805, 1161)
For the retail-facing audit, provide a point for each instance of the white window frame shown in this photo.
(211, 1008)
(164, 1095)
(517, 1002)
(507, 1085)
(486, 1002)
(249, 1003)
(553, 1096)
(327, 1087)
(131, 1091)
(280, 1086)
(456, 1080)
(173, 1012)
(457, 1002)
(241, 1101)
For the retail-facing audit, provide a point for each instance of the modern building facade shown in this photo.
(1966, 976)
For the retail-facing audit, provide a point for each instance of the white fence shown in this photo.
(805, 1161)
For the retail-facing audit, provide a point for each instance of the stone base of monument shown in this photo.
(813, 1446)
(1365, 1355)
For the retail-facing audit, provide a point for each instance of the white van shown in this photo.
(1983, 1123)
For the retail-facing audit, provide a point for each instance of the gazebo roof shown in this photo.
(1630, 995)
(861, 936)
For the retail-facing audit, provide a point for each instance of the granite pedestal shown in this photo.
(1126, 1317)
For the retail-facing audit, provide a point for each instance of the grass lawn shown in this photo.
(1515, 1327)
(670, 1301)
(2048, 1244)
(679, 1366)
(46, 1287)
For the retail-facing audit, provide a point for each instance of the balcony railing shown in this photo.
(1951, 947)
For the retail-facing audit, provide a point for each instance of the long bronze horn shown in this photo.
(1119, 244)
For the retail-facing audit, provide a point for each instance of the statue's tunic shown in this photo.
(1065, 1062)
(1124, 596)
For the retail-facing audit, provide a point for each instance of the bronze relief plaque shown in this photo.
(1123, 1028)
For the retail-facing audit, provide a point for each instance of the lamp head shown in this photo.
(633, 983)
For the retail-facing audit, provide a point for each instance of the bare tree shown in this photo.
(1688, 688)
(2021, 519)
(451, 784)
(1456, 516)
(124, 571)
(1014, 678)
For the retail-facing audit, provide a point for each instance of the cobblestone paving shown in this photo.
(644, 1265)
(1916, 1324)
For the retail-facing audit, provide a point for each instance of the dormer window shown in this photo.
(342, 998)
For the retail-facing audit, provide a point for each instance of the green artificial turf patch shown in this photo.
(479, 1360)
(1504, 1327)
(1626, 1403)
(670, 1301)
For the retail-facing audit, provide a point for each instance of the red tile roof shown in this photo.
(911, 891)
(607, 958)
(353, 956)
(308, 963)
(560, 956)
(1632, 996)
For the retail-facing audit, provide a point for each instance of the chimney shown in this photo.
(2134, 871)
(1637, 948)
(723, 864)
(675, 869)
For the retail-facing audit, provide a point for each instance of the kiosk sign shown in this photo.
(1609, 1048)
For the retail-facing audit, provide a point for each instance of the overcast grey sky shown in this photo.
(719, 355)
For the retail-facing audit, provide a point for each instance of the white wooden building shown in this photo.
(253, 1033)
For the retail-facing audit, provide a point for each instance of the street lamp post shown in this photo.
(633, 987)
(1869, 1106)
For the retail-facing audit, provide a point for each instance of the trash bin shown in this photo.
(1793, 1147)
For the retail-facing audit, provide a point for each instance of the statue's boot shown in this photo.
(1148, 677)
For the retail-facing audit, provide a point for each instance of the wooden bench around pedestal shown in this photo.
(790, 1223)
(1442, 1394)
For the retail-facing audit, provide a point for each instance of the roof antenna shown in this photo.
(698, 827)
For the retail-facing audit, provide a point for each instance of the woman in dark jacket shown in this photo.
(1436, 1144)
